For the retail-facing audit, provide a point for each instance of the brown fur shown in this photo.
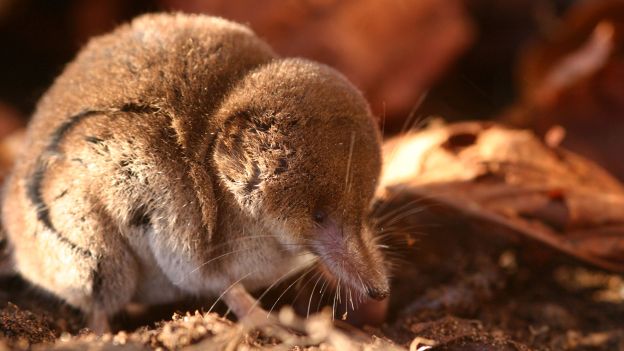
(178, 155)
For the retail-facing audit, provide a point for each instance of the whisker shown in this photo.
(412, 208)
(227, 254)
(250, 237)
(266, 291)
(411, 122)
(395, 223)
(290, 286)
(237, 251)
(337, 291)
(220, 297)
(414, 229)
(219, 257)
(351, 299)
(346, 310)
(227, 312)
(432, 197)
(348, 175)
(302, 289)
(334, 306)
(411, 117)
(380, 215)
(312, 293)
(322, 292)
(364, 288)
(400, 208)
(228, 289)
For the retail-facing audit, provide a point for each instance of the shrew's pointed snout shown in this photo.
(379, 293)
(353, 260)
(375, 280)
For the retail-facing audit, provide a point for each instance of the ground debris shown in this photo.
(208, 331)
(451, 333)
(21, 328)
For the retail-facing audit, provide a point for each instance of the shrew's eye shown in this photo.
(319, 216)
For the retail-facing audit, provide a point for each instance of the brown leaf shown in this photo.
(511, 179)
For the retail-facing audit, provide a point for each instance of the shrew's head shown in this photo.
(300, 151)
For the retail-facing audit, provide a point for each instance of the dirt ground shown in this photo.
(454, 288)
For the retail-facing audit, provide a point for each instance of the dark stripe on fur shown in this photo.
(34, 183)
(97, 281)
(4, 243)
(139, 217)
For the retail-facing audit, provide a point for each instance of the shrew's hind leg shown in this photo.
(93, 268)
(115, 275)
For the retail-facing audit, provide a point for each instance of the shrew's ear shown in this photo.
(237, 158)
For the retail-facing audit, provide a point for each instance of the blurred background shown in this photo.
(533, 64)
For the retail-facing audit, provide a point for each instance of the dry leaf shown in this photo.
(510, 179)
